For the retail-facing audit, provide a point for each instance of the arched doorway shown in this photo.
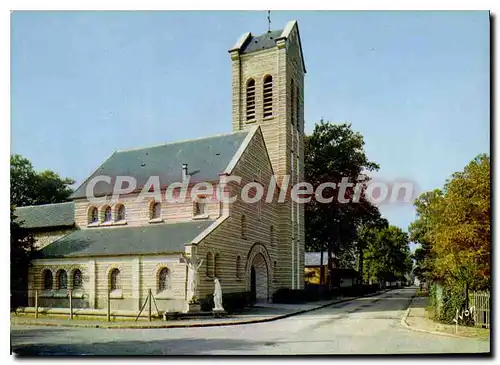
(258, 273)
(253, 284)
(261, 278)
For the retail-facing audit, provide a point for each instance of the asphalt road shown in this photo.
(362, 326)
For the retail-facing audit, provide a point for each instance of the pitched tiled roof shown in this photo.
(206, 159)
(260, 42)
(152, 239)
(314, 258)
(48, 215)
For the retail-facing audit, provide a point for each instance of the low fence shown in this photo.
(71, 310)
(481, 302)
(450, 306)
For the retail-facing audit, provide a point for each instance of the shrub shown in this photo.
(289, 296)
(232, 302)
(351, 291)
(314, 292)
(444, 307)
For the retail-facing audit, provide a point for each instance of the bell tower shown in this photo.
(268, 90)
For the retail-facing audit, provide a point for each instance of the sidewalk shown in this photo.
(416, 319)
(260, 313)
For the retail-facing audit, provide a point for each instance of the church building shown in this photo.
(124, 248)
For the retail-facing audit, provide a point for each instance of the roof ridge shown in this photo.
(44, 205)
(180, 141)
(274, 31)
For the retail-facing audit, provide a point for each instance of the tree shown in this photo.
(27, 187)
(22, 179)
(331, 153)
(367, 234)
(387, 255)
(453, 228)
(21, 248)
(461, 235)
(427, 207)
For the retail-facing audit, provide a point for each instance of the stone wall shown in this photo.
(283, 134)
(138, 212)
(227, 240)
(137, 276)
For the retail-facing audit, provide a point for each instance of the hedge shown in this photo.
(232, 302)
(444, 307)
(315, 292)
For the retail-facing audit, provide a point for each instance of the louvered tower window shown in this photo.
(297, 106)
(268, 96)
(251, 99)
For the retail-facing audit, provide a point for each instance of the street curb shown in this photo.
(187, 325)
(407, 326)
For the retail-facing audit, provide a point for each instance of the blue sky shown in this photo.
(415, 84)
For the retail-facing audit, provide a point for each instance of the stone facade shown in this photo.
(230, 240)
(255, 247)
(283, 132)
(138, 212)
(137, 276)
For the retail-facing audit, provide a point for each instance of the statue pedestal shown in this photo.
(193, 307)
(219, 313)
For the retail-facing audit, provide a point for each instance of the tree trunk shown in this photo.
(329, 277)
(321, 268)
(360, 265)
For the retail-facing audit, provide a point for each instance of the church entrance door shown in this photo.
(253, 285)
(259, 278)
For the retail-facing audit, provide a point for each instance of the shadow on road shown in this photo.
(184, 346)
(387, 302)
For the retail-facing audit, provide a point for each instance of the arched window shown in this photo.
(292, 101)
(47, 280)
(271, 235)
(93, 215)
(238, 267)
(251, 99)
(163, 280)
(107, 214)
(155, 210)
(199, 207)
(268, 96)
(62, 279)
(216, 260)
(77, 279)
(243, 227)
(120, 213)
(114, 282)
(210, 264)
(275, 270)
(298, 107)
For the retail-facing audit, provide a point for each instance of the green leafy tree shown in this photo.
(387, 255)
(334, 151)
(427, 207)
(22, 179)
(27, 187)
(462, 236)
(367, 234)
(21, 248)
(453, 229)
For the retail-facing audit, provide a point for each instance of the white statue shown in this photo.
(193, 266)
(217, 296)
